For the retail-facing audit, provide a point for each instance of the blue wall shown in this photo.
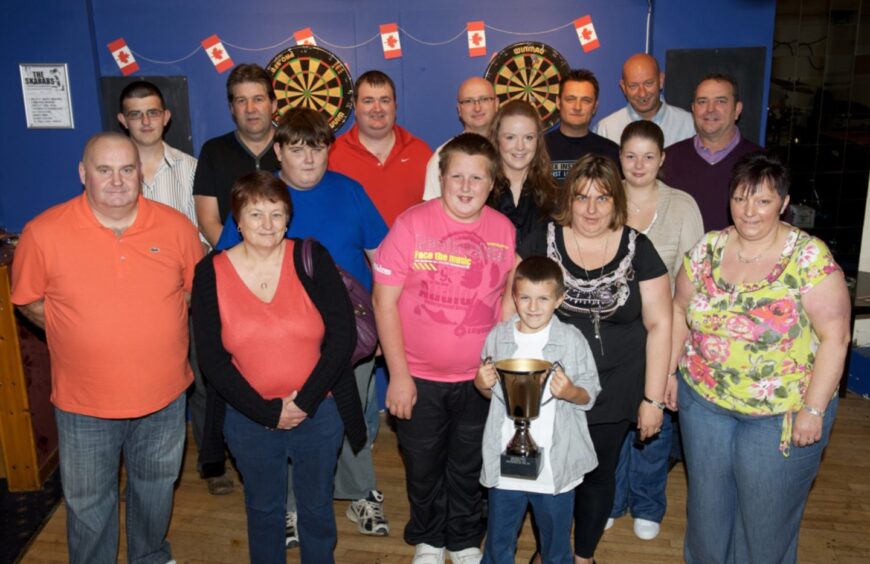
(41, 165)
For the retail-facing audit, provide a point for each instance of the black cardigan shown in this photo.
(332, 373)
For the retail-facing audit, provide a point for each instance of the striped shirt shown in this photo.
(173, 182)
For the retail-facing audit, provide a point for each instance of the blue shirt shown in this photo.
(338, 213)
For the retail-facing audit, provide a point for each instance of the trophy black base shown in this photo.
(526, 467)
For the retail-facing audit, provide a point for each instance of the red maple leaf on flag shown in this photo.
(217, 53)
(475, 38)
(123, 57)
(391, 41)
(587, 34)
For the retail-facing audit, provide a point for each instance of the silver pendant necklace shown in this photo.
(596, 313)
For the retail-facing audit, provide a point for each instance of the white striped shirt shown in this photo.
(173, 182)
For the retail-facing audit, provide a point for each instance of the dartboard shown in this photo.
(529, 71)
(310, 76)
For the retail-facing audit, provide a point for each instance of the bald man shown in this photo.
(642, 83)
(476, 104)
(108, 275)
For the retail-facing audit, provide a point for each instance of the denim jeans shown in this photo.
(642, 475)
(553, 516)
(90, 455)
(745, 499)
(261, 456)
(355, 474)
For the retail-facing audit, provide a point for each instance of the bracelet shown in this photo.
(815, 411)
(657, 404)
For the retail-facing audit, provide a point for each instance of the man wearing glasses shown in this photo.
(167, 173)
(476, 103)
(577, 104)
(167, 177)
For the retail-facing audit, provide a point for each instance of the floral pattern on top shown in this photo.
(751, 346)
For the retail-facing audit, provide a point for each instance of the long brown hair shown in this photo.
(540, 174)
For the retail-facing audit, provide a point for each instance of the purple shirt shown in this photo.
(713, 157)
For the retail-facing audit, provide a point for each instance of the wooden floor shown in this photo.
(836, 527)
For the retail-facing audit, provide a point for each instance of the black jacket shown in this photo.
(332, 373)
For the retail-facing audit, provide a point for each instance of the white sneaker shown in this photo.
(609, 523)
(291, 531)
(646, 530)
(470, 555)
(428, 554)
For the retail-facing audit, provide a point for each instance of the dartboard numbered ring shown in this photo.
(529, 71)
(312, 77)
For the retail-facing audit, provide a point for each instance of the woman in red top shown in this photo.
(275, 347)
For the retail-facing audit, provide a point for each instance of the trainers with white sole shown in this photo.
(428, 554)
(368, 514)
(645, 529)
(610, 522)
(291, 532)
(470, 555)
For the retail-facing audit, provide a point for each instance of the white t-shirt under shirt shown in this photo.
(531, 345)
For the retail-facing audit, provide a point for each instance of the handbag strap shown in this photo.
(306, 257)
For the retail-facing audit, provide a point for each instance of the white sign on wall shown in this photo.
(46, 92)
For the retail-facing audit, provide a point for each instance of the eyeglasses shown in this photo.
(472, 101)
(136, 115)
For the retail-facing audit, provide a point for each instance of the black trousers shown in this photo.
(441, 445)
(593, 499)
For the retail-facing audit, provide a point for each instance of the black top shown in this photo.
(332, 373)
(613, 292)
(525, 214)
(222, 161)
(564, 151)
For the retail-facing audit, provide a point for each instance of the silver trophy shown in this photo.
(523, 381)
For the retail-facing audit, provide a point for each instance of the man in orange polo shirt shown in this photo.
(386, 159)
(108, 275)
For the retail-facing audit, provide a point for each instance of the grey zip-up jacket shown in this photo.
(572, 455)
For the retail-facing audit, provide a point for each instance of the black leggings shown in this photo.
(593, 499)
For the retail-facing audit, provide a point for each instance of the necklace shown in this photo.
(756, 258)
(596, 313)
(634, 207)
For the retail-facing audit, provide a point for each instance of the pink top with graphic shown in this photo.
(453, 276)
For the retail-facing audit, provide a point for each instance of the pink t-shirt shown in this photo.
(453, 276)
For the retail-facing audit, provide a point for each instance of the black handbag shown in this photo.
(360, 298)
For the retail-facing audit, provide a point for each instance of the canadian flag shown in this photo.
(123, 56)
(305, 37)
(218, 55)
(586, 34)
(390, 41)
(476, 39)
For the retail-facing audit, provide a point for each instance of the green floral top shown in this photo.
(751, 347)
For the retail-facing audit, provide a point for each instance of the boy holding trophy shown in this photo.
(544, 470)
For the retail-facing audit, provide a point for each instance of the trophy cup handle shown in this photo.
(488, 360)
(550, 373)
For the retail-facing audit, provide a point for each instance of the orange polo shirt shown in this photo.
(115, 309)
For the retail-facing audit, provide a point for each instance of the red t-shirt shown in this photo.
(394, 185)
(274, 345)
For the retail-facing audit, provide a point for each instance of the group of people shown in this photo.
(583, 248)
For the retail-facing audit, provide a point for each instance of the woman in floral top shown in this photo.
(760, 332)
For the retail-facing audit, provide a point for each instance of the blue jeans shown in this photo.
(642, 475)
(90, 455)
(261, 456)
(553, 516)
(745, 499)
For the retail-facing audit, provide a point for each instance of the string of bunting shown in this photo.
(390, 36)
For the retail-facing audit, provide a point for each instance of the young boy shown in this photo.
(439, 279)
(560, 429)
